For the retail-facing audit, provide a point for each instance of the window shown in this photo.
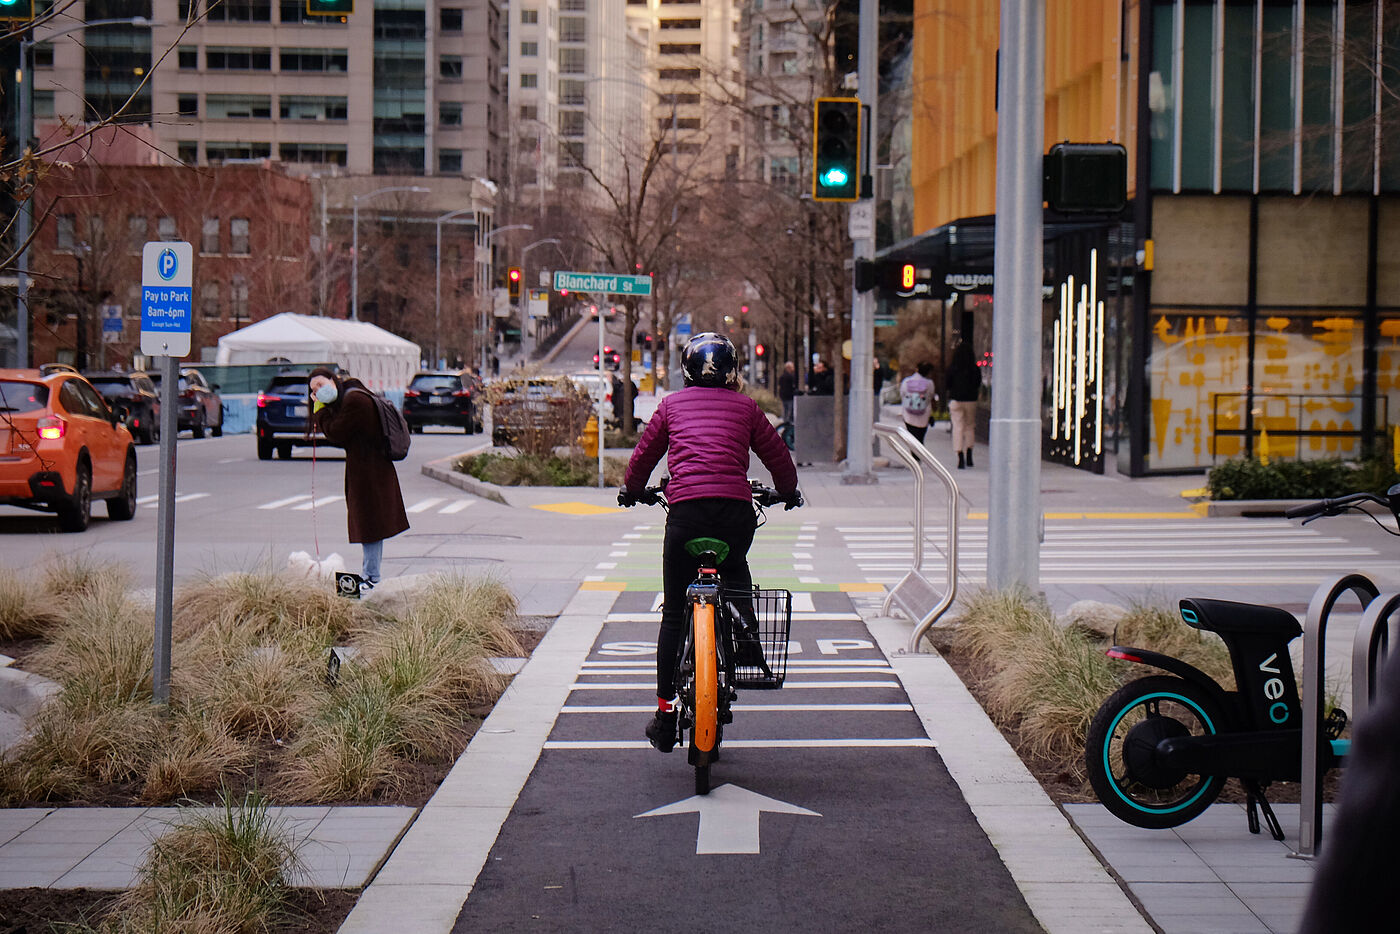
(66, 231)
(238, 296)
(528, 79)
(689, 24)
(450, 68)
(237, 58)
(43, 103)
(312, 107)
(313, 153)
(135, 232)
(682, 123)
(238, 238)
(680, 48)
(239, 11)
(573, 29)
(43, 54)
(685, 98)
(529, 112)
(449, 21)
(573, 6)
(188, 57)
(449, 113)
(209, 236)
(187, 152)
(238, 106)
(166, 230)
(572, 61)
(570, 155)
(572, 93)
(450, 161)
(294, 11)
(221, 151)
(528, 15)
(571, 122)
(678, 74)
(187, 105)
(323, 60)
(209, 300)
(529, 49)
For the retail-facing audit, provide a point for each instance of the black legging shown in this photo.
(732, 521)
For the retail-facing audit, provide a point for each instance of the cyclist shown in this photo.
(705, 431)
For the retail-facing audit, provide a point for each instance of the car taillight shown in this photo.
(462, 392)
(52, 428)
(411, 393)
(262, 400)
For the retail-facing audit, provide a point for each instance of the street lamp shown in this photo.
(526, 279)
(25, 129)
(437, 282)
(355, 240)
(477, 280)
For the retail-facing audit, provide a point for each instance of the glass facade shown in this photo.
(400, 98)
(116, 60)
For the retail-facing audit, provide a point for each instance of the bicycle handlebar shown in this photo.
(762, 495)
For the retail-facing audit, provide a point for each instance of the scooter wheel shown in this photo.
(1125, 769)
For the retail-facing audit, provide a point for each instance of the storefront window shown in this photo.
(1307, 377)
(1197, 374)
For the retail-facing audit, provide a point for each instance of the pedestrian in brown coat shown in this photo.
(346, 414)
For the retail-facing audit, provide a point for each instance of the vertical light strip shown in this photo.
(1097, 319)
(1258, 87)
(1339, 26)
(1055, 370)
(1217, 81)
(1377, 90)
(1299, 12)
(1178, 64)
(1080, 365)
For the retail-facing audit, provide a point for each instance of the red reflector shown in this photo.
(462, 392)
(1120, 654)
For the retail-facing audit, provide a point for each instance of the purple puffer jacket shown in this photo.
(706, 433)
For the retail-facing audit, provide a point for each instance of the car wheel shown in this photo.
(197, 431)
(264, 448)
(414, 428)
(284, 450)
(75, 512)
(123, 506)
(218, 430)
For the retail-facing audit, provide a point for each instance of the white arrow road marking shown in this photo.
(728, 818)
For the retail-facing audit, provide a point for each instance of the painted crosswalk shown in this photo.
(306, 502)
(1215, 551)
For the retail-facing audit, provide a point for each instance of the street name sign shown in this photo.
(167, 287)
(603, 282)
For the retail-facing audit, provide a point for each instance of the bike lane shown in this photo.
(831, 810)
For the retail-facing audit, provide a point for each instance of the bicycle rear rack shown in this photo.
(915, 595)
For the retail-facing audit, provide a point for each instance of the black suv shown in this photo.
(283, 409)
(134, 399)
(442, 399)
(201, 408)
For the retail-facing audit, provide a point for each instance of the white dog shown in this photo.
(302, 564)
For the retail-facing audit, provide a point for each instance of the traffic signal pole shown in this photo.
(860, 430)
(1014, 517)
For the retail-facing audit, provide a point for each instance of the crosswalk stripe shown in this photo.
(318, 503)
(651, 685)
(424, 505)
(279, 503)
(868, 670)
(455, 507)
(179, 498)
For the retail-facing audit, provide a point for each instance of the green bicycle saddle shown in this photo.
(698, 546)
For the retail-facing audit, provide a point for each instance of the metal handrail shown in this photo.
(915, 455)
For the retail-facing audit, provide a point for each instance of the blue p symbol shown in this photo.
(167, 264)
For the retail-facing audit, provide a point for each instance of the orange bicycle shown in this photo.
(735, 638)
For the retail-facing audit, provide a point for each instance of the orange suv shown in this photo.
(61, 447)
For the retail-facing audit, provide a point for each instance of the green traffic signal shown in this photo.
(330, 7)
(836, 149)
(19, 11)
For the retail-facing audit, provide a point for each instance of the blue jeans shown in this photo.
(373, 555)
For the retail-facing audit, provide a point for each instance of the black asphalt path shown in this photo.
(892, 846)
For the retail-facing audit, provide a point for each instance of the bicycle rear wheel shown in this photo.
(705, 732)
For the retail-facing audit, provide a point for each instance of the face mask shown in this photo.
(326, 394)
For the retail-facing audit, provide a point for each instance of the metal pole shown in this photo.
(24, 222)
(602, 374)
(437, 297)
(861, 406)
(355, 258)
(1014, 517)
(165, 529)
(325, 248)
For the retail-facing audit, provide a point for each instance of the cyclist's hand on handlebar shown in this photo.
(792, 500)
(626, 497)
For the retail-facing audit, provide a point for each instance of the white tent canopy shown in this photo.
(379, 359)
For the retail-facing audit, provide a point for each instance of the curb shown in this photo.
(23, 693)
(1270, 508)
(441, 470)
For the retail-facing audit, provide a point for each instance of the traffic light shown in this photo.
(16, 11)
(513, 276)
(759, 350)
(1086, 178)
(330, 7)
(836, 149)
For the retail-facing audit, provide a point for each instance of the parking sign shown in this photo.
(167, 287)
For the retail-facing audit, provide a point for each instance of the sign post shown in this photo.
(167, 286)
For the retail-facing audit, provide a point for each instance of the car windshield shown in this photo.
(429, 383)
(111, 385)
(288, 385)
(182, 385)
(20, 396)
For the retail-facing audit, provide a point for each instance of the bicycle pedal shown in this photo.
(1335, 723)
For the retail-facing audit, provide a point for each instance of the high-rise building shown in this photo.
(397, 87)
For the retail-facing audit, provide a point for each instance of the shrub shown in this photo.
(539, 413)
(25, 611)
(1162, 630)
(767, 401)
(1251, 478)
(536, 470)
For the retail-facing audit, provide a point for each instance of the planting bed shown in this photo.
(35, 910)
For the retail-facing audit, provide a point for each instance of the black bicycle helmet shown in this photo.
(709, 359)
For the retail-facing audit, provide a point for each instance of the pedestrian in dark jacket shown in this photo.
(345, 412)
(964, 386)
(787, 391)
(705, 431)
(821, 381)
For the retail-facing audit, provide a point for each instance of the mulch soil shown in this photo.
(32, 911)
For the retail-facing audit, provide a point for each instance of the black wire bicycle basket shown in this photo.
(759, 623)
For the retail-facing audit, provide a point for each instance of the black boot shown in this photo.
(969, 457)
(960, 460)
(661, 731)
